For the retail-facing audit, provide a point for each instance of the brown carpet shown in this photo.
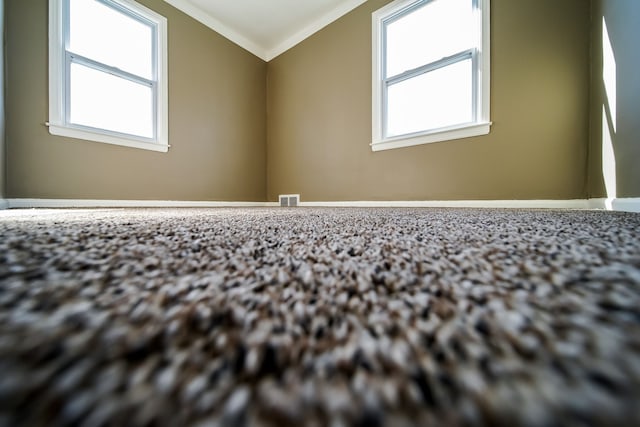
(319, 317)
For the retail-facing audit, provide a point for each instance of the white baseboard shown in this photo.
(517, 204)
(629, 204)
(599, 203)
(98, 203)
(626, 204)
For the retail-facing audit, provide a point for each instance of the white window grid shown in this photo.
(480, 77)
(71, 57)
(60, 62)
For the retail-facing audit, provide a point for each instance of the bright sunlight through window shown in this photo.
(430, 71)
(108, 73)
(609, 116)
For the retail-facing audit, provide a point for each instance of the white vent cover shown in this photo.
(289, 200)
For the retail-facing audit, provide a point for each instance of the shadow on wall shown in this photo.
(615, 99)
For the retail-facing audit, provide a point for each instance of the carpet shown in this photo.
(319, 317)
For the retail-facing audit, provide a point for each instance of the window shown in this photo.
(108, 73)
(430, 72)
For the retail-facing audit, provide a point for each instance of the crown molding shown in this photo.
(317, 25)
(262, 52)
(216, 25)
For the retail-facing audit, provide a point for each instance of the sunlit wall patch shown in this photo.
(609, 117)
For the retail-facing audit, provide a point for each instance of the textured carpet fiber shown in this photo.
(336, 317)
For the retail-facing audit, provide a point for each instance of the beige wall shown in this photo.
(319, 115)
(314, 138)
(622, 107)
(217, 122)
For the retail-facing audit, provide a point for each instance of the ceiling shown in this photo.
(266, 28)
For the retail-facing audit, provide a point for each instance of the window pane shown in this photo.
(105, 101)
(111, 37)
(439, 29)
(432, 100)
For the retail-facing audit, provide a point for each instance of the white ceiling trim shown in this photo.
(205, 18)
(314, 27)
(263, 52)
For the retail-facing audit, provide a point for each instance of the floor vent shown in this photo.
(289, 200)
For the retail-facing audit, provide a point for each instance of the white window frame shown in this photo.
(60, 59)
(481, 61)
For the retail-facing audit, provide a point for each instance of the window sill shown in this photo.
(448, 134)
(107, 139)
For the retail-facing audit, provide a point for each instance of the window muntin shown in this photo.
(108, 73)
(410, 35)
(91, 34)
(430, 71)
(432, 100)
